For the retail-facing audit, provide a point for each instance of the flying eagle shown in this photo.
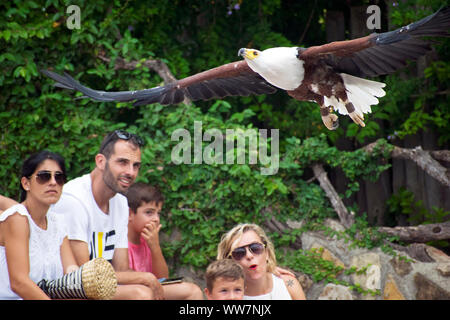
(329, 75)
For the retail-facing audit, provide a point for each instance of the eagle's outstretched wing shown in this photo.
(384, 53)
(232, 79)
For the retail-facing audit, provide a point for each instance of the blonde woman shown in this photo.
(249, 245)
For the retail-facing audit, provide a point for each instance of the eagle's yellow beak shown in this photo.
(248, 53)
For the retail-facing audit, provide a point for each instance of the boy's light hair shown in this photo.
(225, 268)
(230, 240)
(142, 192)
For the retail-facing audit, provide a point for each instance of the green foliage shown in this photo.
(310, 262)
(403, 202)
(354, 164)
(413, 103)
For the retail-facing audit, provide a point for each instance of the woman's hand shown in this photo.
(282, 272)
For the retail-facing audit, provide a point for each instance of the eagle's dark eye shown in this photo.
(255, 53)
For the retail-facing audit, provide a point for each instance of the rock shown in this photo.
(373, 281)
(437, 255)
(391, 291)
(401, 267)
(295, 224)
(372, 278)
(328, 255)
(443, 269)
(428, 290)
(335, 225)
(336, 292)
(305, 281)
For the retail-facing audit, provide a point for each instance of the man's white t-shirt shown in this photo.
(86, 222)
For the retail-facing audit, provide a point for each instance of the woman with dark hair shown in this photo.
(33, 241)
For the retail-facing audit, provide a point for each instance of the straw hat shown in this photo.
(95, 279)
(98, 279)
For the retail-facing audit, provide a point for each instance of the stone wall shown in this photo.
(396, 279)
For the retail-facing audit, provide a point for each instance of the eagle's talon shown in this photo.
(357, 118)
(335, 124)
(331, 121)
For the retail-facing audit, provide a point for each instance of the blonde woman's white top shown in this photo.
(279, 291)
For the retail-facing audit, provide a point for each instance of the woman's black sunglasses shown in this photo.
(255, 248)
(44, 176)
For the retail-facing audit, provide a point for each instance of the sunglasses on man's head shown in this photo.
(255, 248)
(124, 135)
(44, 176)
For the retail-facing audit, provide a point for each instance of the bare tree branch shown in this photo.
(417, 251)
(441, 155)
(344, 216)
(420, 233)
(423, 159)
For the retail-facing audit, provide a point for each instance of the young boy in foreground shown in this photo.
(144, 251)
(224, 280)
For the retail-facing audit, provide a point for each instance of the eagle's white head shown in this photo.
(278, 66)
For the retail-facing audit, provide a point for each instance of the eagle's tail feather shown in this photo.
(362, 93)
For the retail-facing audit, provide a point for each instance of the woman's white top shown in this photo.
(279, 291)
(44, 250)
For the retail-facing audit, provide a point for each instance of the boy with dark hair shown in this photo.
(144, 252)
(224, 280)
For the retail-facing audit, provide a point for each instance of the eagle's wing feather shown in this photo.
(383, 53)
(232, 79)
